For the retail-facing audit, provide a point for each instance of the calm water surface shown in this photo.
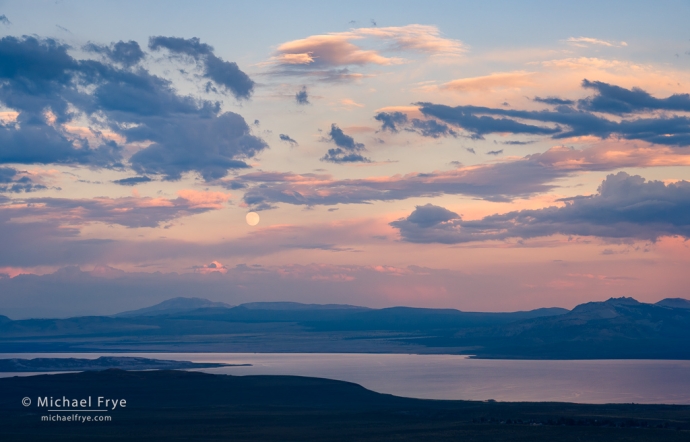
(458, 377)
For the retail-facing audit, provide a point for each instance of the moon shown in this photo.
(253, 218)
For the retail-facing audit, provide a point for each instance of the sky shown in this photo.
(493, 156)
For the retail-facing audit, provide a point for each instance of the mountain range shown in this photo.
(616, 328)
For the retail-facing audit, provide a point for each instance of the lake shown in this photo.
(458, 377)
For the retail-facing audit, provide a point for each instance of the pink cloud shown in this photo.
(132, 211)
(212, 267)
(499, 181)
(340, 49)
(500, 80)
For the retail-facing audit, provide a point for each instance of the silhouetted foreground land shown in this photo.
(177, 405)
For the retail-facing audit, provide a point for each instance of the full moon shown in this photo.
(253, 218)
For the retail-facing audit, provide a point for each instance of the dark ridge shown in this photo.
(182, 406)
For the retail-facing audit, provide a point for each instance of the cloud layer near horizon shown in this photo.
(503, 181)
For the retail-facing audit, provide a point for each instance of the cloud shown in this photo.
(395, 121)
(391, 120)
(563, 122)
(4, 20)
(222, 73)
(517, 143)
(431, 128)
(500, 80)
(71, 291)
(12, 180)
(125, 53)
(331, 56)
(470, 118)
(213, 267)
(37, 76)
(417, 38)
(626, 207)
(186, 134)
(554, 101)
(585, 41)
(287, 139)
(133, 181)
(430, 215)
(616, 100)
(567, 119)
(502, 181)
(302, 97)
(49, 89)
(210, 145)
(59, 235)
(495, 152)
(496, 182)
(125, 211)
(347, 150)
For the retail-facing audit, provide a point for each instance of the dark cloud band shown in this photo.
(626, 207)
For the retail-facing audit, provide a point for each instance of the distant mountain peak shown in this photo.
(623, 301)
(298, 306)
(174, 305)
(603, 310)
(674, 303)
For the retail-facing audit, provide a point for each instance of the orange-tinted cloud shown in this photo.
(499, 80)
(330, 56)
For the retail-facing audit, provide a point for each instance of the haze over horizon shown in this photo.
(394, 154)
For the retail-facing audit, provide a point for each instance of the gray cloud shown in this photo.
(495, 182)
(563, 121)
(554, 101)
(209, 145)
(479, 121)
(430, 215)
(614, 99)
(626, 207)
(125, 53)
(126, 211)
(12, 180)
(133, 181)
(395, 121)
(223, 73)
(302, 97)
(348, 151)
(288, 139)
(38, 75)
(391, 120)
(187, 134)
(432, 128)
(4, 20)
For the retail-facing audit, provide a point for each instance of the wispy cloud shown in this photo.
(588, 41)
(328, 54)
(499, 80)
